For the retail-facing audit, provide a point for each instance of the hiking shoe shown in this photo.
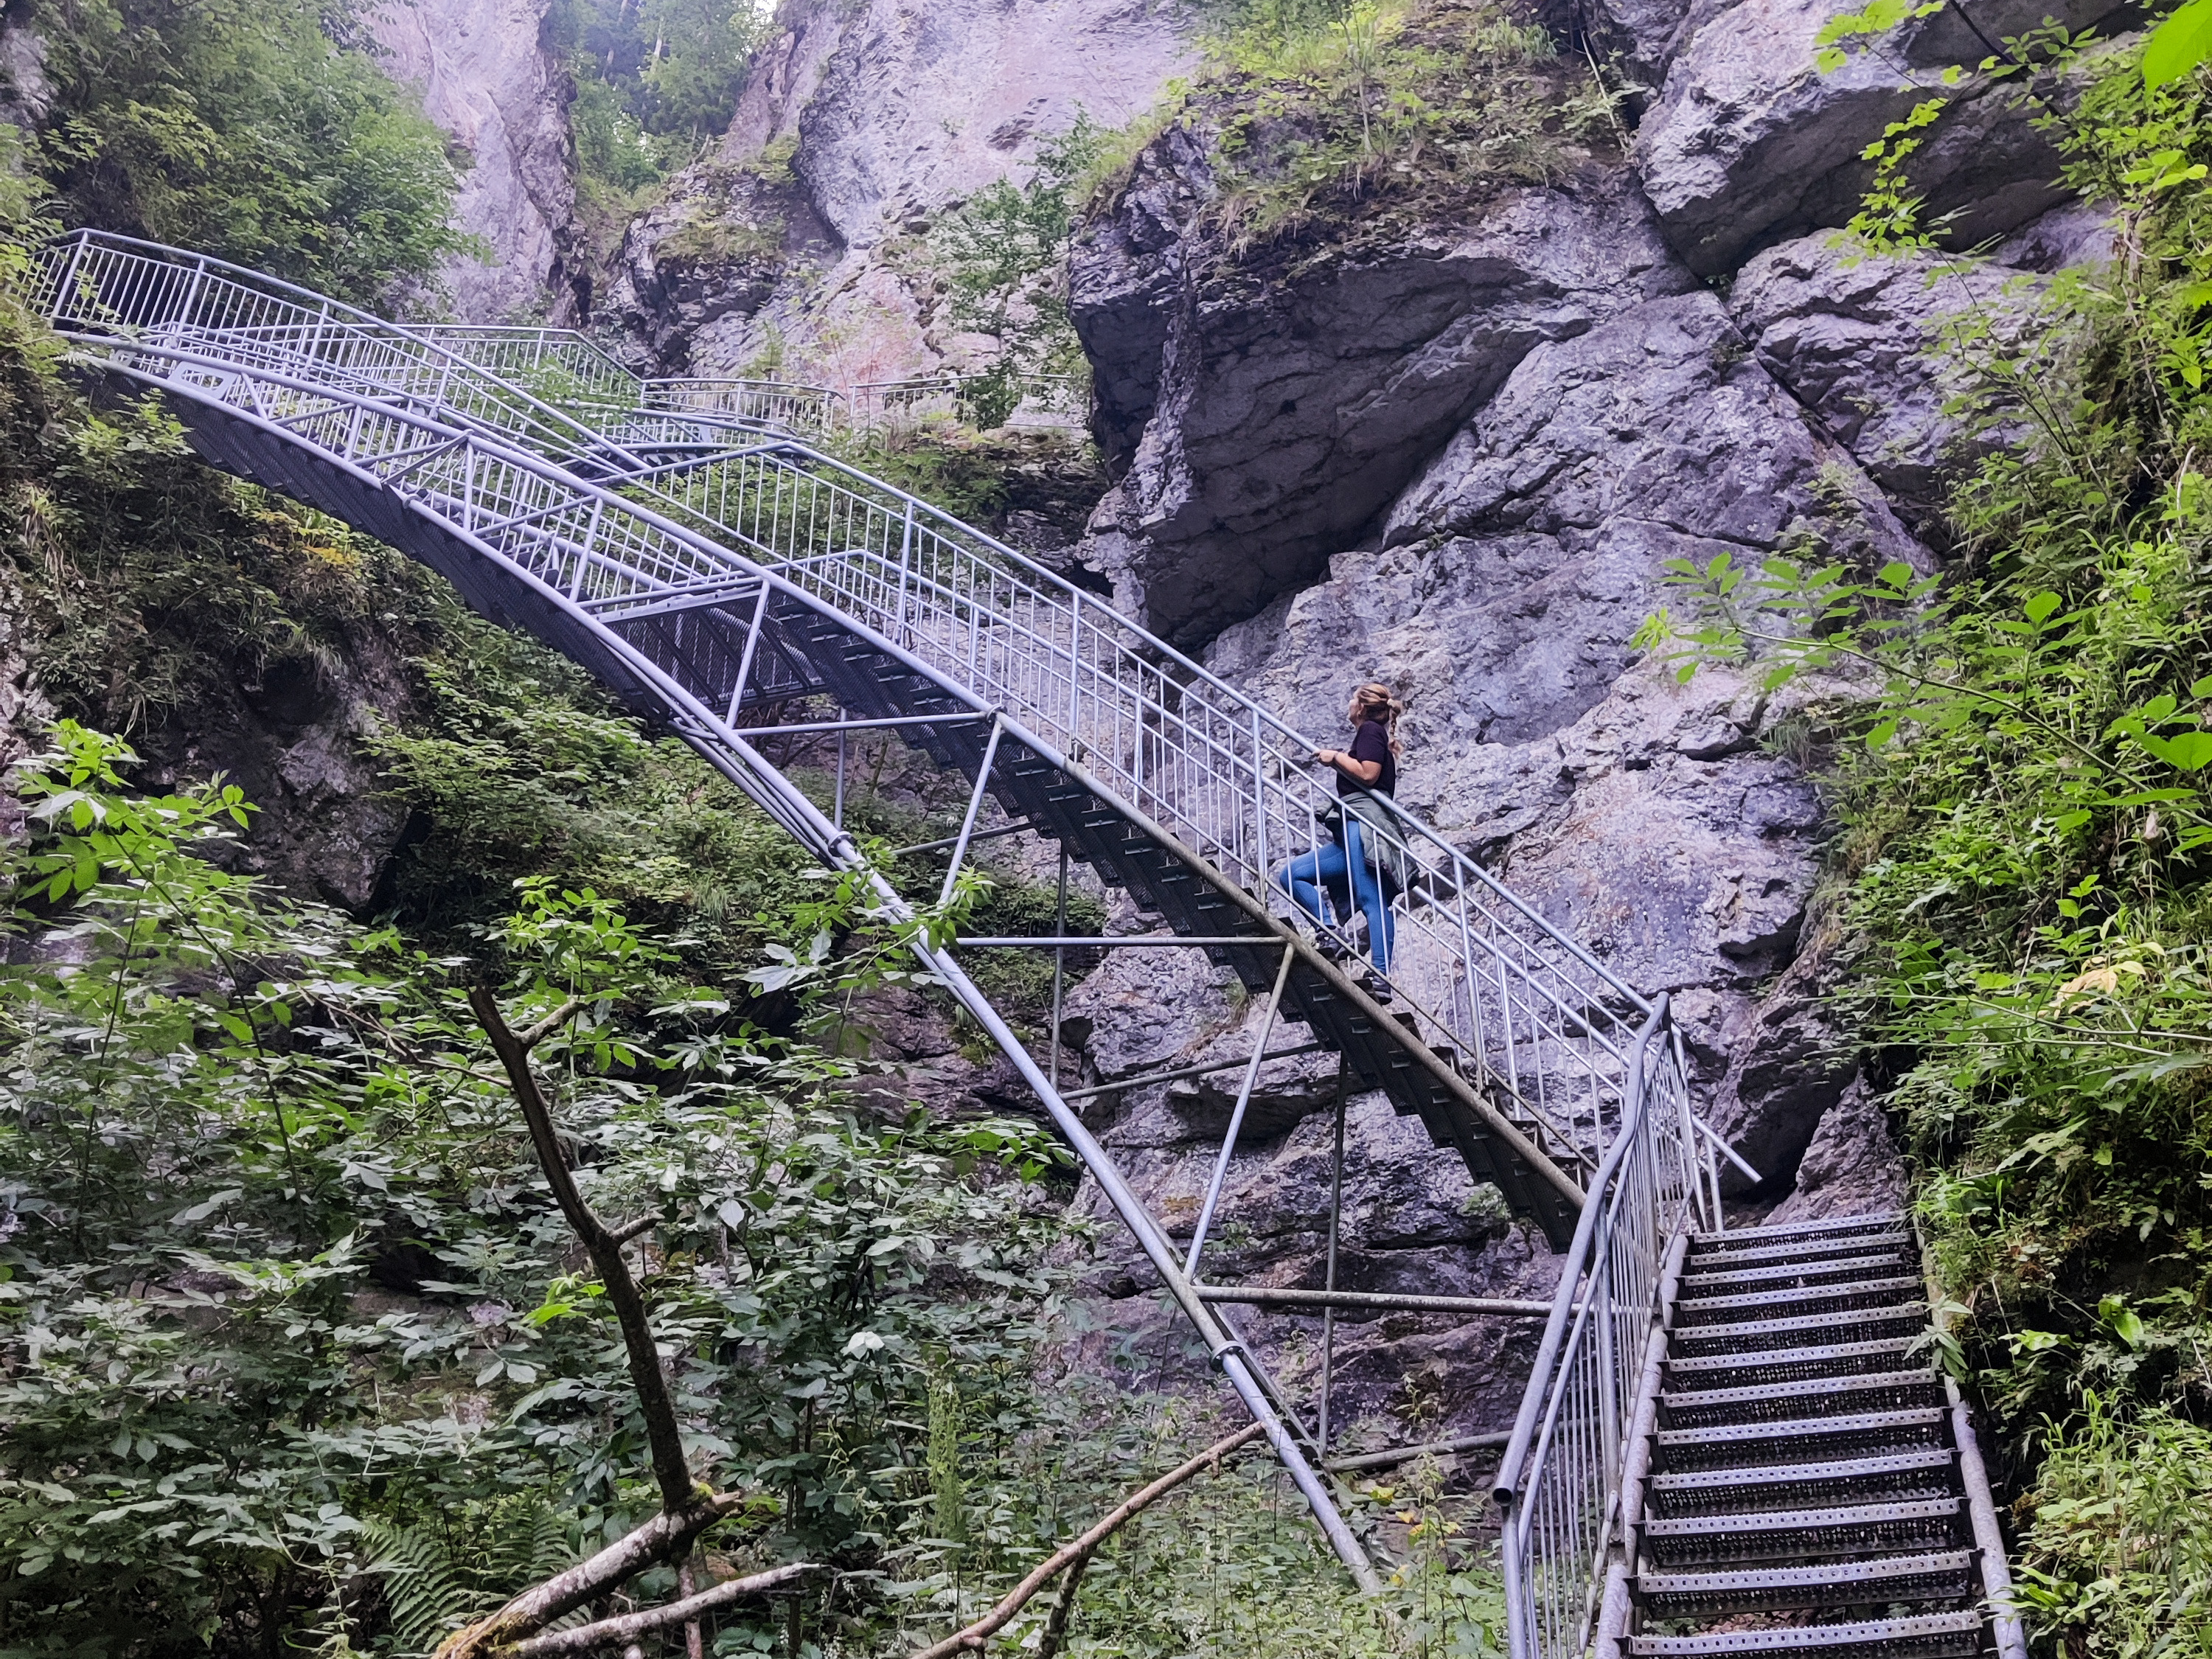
(1375, 986)
(1332, 948)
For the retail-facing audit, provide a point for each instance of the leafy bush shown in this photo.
(2021, 880)
(655, 81)
(280, 1289)
(260, 131)
(1328, 117)
(1003, 254)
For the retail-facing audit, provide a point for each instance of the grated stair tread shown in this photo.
(1823, 1439)
(1748, 1337)
(1788, 1249)
(1743, 1238)
(1874, 1293)
(1920, 1635)
(1936, 1576)
(1826, 1396)
(1787, 1272)
(1923, 1473)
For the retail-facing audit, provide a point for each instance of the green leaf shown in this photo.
(2126, 1324)
(2178, 44)
(2040, 606)
(2190, 751)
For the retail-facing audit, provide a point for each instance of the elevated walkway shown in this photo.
(727, 580)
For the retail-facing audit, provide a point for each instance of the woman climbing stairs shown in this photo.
(1805, 1483)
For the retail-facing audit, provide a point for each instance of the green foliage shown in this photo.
(2019, 752)
(1002, 253)
(260, 131)
(655, 80)
(2123, 1529)
(2178, 46)
(284, 1295)
(1328, 114)
(153, 585)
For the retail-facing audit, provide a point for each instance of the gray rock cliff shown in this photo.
(886, 115)
(487, 80)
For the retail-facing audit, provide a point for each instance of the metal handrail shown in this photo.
(1547, 1028)
(1559, 1482)
(881, 400)
(600, 537)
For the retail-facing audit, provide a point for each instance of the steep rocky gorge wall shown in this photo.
(802, 238)
(1454, 457)
(1456, 460)
(489, 81)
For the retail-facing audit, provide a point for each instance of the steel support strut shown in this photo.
(728, 752)
(1236, 1114)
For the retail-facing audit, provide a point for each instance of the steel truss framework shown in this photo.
(712, 571)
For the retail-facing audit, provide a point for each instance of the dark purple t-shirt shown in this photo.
(1370, 743)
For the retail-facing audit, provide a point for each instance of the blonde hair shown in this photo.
(1375, 700)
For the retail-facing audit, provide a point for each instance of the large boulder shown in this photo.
(1749, 141)
(1860, 339)
(1265, 408)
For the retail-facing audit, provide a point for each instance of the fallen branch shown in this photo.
(607, 1631)
(1080, 1551)
(662, 1537)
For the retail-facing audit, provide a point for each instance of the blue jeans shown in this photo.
(1304, 876)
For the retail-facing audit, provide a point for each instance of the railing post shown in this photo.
(1608, 1395)
(192, 292)
(77, 246)
(906, 567)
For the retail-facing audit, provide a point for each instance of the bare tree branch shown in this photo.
(1079, 1552)
(670, 1468)
(667, 1535)
(531, 1036)
(608, 1631)
(1055, 1624)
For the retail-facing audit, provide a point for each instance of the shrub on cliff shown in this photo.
(2023, 876)
(260, 131)
(1331, 121)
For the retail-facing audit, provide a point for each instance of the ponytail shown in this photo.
(1375, 701)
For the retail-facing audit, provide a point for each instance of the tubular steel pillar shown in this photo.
(1335, 1224)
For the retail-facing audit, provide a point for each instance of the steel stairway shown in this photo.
(723, 580)
(718, 576)
(1802, 1481)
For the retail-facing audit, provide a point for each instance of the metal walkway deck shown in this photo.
(725, 580)
(1800, 1479)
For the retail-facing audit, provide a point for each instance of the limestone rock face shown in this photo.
(1852, 1166)
(1749, 142)
(487, 79)
(1289, 401)
(886, 116)
(1858, 340)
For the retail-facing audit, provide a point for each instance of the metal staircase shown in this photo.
(1737, 1443)
(727, 581)
(1802, 1480)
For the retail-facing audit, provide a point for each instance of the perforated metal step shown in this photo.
(1924, 1636)
(1887, 1580)
(1822, 1439)
(1840, 1326)
(1918, 1524)
(1884, 1265)
(1818, 1247)
(1926, 1473)
(1756, 1307)
(1817, 1397)
(1830, 1227)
